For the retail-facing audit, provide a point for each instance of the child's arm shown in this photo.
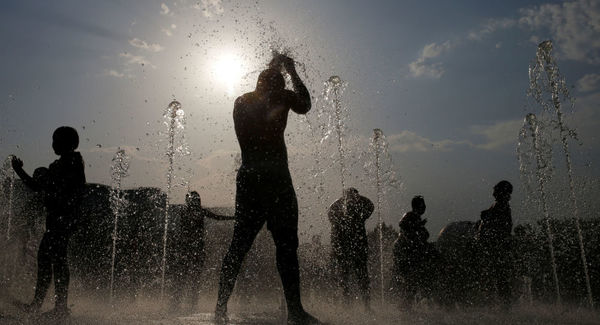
(17, 165)
(214, 216)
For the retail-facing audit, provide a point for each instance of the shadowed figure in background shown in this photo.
(62, 185)
(494, 241)
(414, 257)
(349, 244)
(186, 251)
(264, 189)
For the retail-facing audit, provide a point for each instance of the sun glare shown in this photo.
(228, 71)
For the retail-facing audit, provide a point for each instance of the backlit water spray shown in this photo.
(377, 143)
(549, 90)
(542, 154)
(174, 119)
(118, 170)
(10, 174)
(333, 90)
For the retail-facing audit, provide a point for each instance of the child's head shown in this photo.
(64, 140)
(192, 199)
(502, 191)
(418, 204)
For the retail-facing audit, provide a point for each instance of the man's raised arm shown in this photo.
(302, 103)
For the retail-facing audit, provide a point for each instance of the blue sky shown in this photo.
(446, 81)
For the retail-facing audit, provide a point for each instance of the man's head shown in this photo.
(502, 191)
(418, 204)
(192, 199)
(64, 140)
(350, 193)
(270, 80)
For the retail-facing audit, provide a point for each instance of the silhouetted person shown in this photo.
(349, 245)
(62, 186)
(264, 189)
(494, 239)
(186, 250)
(413, 255)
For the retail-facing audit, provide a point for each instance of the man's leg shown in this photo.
(285, 235)
(342, 273)
(362, 275)
(243, 236)
(44, 273)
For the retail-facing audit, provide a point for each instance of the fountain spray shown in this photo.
(334, 86)
(172, 113)
(545, 77)
(118, 171)
(534, 129)
(377, 135)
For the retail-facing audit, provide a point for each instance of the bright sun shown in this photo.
(228, 70)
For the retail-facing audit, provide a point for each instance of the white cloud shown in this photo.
(115, 73)
(490, 27)
(408, 141)
(495, 136)
(210, 8)
(165, 10)
(136, 42)
(589, 82)
(424, 67)
(136, 59)
(168, 31)
(573, 25)
(498, 135)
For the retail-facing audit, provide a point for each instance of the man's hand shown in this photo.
(17, 164)
(282, 60)
(288, 63)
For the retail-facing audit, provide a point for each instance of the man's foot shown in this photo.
(221, 316)
(302, 318)
(57, 313)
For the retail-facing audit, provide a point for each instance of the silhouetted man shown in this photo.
(413, 255)
(264, 189)
(494, 238)
(186, 250)
(350, 248)
(62, 186)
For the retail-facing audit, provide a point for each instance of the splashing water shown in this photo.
(118, 171)
(549, 90)
(543, 156)
(333, 90)
(385, 176)
(10, 175)
(175, 121)
(377, 134)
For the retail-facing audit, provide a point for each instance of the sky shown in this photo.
(445, 81)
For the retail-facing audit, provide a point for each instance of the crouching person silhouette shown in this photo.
(62, 185)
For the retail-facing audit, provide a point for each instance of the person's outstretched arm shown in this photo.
(17, 165)
(215, 216)
(302, 103)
